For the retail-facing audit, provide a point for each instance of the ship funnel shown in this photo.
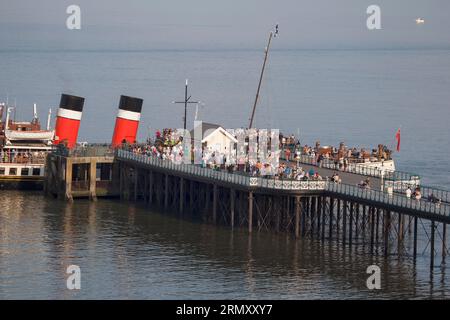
(68, 120)
(127, 121)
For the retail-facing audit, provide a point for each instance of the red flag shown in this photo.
(397, 136)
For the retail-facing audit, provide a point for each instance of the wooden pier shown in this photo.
(379, 222)
(89, 174)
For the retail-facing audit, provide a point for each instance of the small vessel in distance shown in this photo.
(23, 150)
(420, 21)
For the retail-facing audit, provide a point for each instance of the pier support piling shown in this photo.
(250, 211)
(415, 239)
(232, 203)
(297, 216)
(444, 246)
(433, 229)
(215, 203)
(387, 229)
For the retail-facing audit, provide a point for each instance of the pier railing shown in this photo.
(223, 176)
(392, 199)
(386, 174)
(395, 199)
(91, 150)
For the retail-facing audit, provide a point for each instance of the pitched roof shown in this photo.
(212, 127)
(205, 126)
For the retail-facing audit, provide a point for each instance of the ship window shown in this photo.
(2, 171)
(12, 171)
(24, 171)
(36, 171)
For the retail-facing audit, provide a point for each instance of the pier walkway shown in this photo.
(353, 174)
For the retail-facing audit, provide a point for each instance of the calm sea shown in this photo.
(358, 97)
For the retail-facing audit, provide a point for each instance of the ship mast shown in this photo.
(271, 35)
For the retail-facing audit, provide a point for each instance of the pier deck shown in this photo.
(86, 174)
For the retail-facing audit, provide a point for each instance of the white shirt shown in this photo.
(408, 193)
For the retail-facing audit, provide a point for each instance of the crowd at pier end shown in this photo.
(168, 145)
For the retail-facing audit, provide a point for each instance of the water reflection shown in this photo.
(126, 251)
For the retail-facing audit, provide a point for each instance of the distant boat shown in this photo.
(420, 21)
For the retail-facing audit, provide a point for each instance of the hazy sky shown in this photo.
(210, 24)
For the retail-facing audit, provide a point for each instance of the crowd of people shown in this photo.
(168, 145)
(417, 194)
(21, 156)
(338, 157)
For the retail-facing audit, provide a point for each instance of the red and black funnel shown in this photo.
(68, 120)
(127, 121)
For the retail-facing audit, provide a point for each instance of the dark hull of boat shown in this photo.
(20, 183)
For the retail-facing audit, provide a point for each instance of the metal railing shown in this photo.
(398, 200)
(22, 160)
(22, 157)
(358, 168)
(91, 150)
(223, 176)
(376, 196)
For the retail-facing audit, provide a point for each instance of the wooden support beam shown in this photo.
(150, 187)
(304, 215)
(69, 168)
(357, 211)
(166, 191)
(330, 222)
(377, 227)
(415, 239)
(324, 208)
(400, 231)
(319, 214)
(297, 216)
(277, 211)
(363, 229)
(93, 179)
(181, 207)
(350, 224)
(215, 203)
(191, 195)
(444, 239)
(232, 204)
(372, 227)
(338, 216)
(250, 211)
(433, 229)
(344, 223)
(120, 180)
(135, 183)
(387, 229)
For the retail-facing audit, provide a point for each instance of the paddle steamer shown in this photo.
(23, 150)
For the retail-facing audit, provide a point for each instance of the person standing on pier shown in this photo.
(408, 192)
(287, 154)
